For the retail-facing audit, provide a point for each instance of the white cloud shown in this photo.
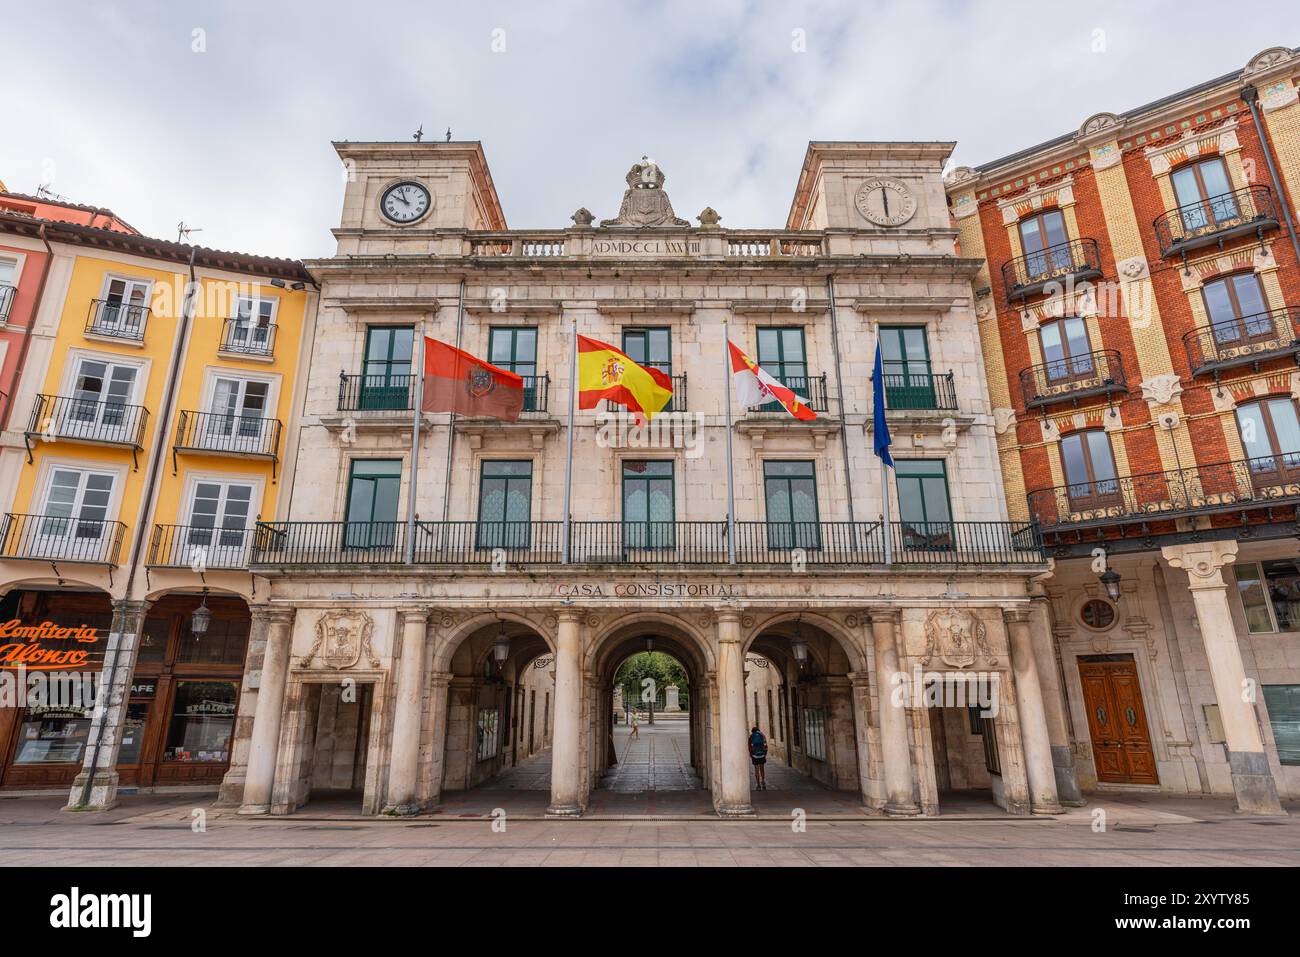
(235, 140)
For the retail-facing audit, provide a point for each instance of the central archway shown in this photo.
(681, 742)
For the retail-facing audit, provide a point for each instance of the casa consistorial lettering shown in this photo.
(645, 589)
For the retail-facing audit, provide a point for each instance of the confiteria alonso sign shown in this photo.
(35, 646)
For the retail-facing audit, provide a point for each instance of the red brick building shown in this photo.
(1140, 321)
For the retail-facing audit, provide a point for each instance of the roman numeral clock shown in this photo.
(405, 203)
(885, 202)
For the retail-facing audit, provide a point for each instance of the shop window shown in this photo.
(55, 735)
(133, 733)
(203, 718)
(224, 643)
(489, 734)
(814, 733)
(992, 760)
(1283, 703)
(153, 641)
(1097, 613)
(1270, 594)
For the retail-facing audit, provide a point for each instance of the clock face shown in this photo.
(405, 202)
(885, 202)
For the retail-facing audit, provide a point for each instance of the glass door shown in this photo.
(1067, 355)
(74, 517)
(122, 312)
(649, 510)
(790, 491)
(505, 501)
(250, 327)
(386, 380)
(101, 396)
(781, 354)
(1204, 195)
(924, 510)
(1045, 242)
(515, 350)
(371, 512)
(905, 360)
(218, 528)
(238, 415)
(1270, 435)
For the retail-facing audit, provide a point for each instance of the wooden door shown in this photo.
(1121, 741)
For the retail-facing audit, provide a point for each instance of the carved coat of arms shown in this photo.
(342, 638)
(957, 638)
(644, 201)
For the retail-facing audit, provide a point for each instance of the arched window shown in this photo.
(1067, 353)
(1237, 308)
(1044, 240)
(1089, 469)
(1270, 434)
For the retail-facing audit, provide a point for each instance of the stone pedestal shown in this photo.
(568, 798)
(404, 763)
(896, 753)
(264, 749)
(95, 788)
(733, 801)
(1252, 780)
(1033, 720)
(671, 700)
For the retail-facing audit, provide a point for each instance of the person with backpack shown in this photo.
(758, 755)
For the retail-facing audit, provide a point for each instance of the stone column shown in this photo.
(733, 801)
(439, 685)
(567, 794)
(404, 758)
(264, 749)
(895, 752)
(1049, 680)
(1033, 718)
(109, 714)
(1251, 778)
(232, 785)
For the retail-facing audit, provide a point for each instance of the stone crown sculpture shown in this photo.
(644, 201)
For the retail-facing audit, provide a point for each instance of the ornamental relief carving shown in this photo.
(1162, 389)
(958, 638)
(343, 637)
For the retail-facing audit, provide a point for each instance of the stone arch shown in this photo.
(214, 590)
(47, 581)
(450, 638)
(841, 634)
(599, 651)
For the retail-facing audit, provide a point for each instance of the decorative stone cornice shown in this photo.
(1221, 138)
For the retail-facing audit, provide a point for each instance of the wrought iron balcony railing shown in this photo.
(1073, 378)
(1214, 221)
(1245, 341)
(809, 387)
(116, 320)
(6, 301)
(61, 538)
(920, 390)
(676, 404)
(646, 543)
(56, 417)
(1203, 489)
(242, 338)
(376, 393)
(227, 433)
(1077, 260)
(199, 547)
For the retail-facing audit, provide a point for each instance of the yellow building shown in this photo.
(151, 423)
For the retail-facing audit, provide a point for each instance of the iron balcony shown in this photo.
(227, 433)
(6, 301)
(76, 419)
(1249, 340)
(1077, 260)
(468, 543)
(396, 393)
(918, 391)
(1225, 487)
(1213, 221)
(1073, 379)
(61, 538)
(242, 338)
(199, 547)
(116, 320)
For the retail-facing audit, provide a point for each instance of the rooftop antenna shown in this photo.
(419, 134)
(449, 134)
(183, 231)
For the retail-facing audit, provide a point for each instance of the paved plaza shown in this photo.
(650, 811)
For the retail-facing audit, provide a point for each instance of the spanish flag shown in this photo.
(607, 373)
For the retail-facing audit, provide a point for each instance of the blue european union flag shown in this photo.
(880, 428)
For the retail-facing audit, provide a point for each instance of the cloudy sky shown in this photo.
(221, 114)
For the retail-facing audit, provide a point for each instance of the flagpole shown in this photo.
(731, 491)
(879, 428)
(451, 421)
(568, 460)
(884, 484)
(417, 404)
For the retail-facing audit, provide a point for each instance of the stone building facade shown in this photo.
(438, 624)
(1139, 312)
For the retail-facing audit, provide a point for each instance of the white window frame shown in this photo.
(256, 300)
(148, 283)
(257, 486)
(233, 441)
(45, 483)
